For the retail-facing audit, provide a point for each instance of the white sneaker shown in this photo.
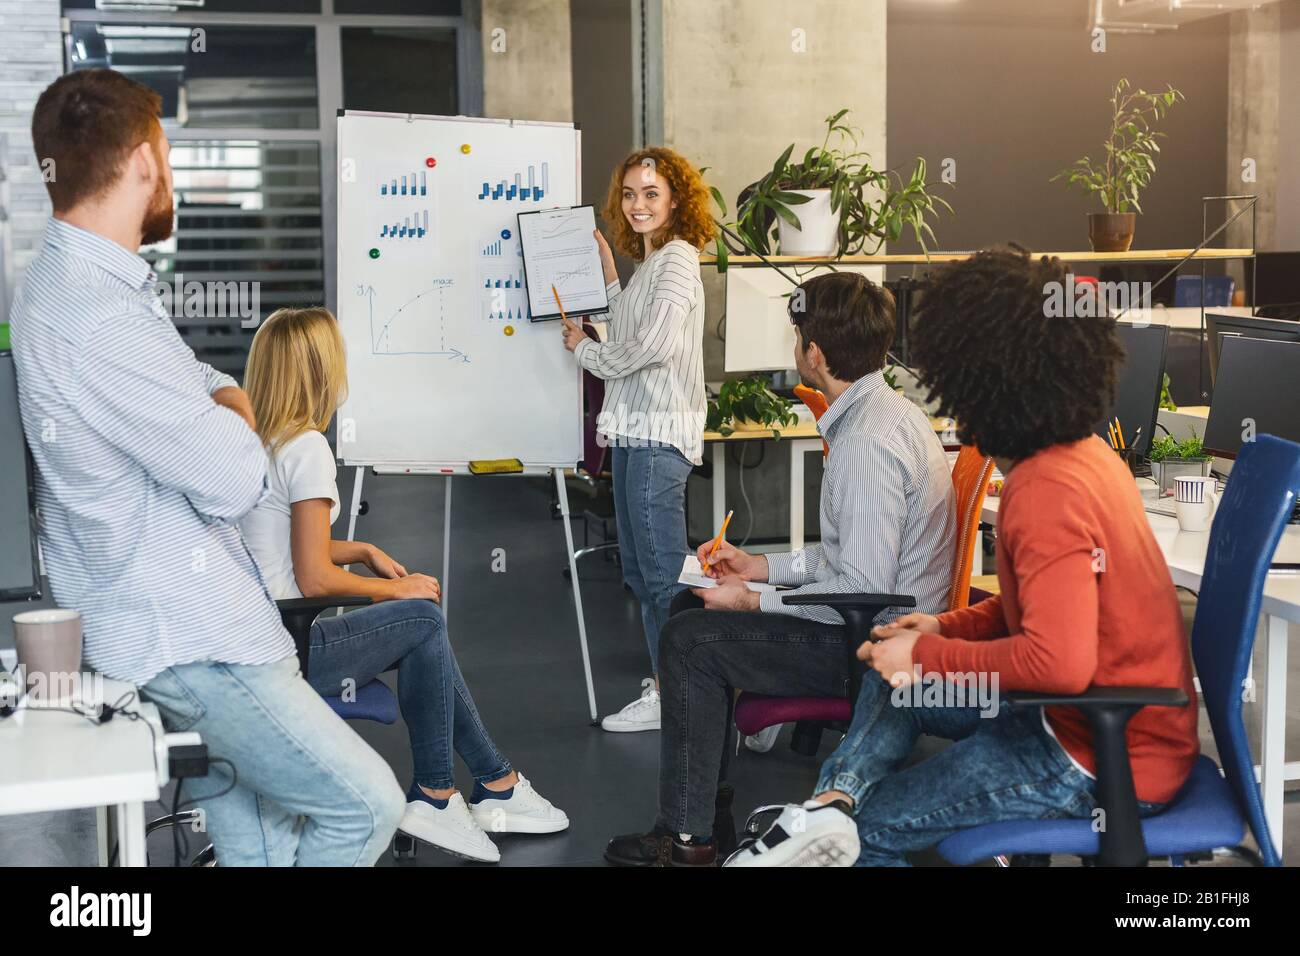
(452, 829)
(811, 834)
(641, 714)
(526, 811)
(764, 740)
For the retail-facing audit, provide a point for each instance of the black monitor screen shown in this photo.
(1138, 385)
(18, 573)
(1218, 327)
(1257, 393)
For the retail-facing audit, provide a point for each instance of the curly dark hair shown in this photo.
(1016, 378)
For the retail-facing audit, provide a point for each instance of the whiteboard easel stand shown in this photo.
(561, 490)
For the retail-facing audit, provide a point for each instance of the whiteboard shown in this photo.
(444, 366)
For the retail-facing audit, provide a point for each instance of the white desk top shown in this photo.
(1184, 553)
(58, 761)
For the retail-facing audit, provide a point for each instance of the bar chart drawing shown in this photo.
(503, 295)
(501, 248)
(409, 184)
(532, 185)
(411, 227)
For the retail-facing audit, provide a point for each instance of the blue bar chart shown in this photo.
(412, 227)
(529, 186)
(406, 185)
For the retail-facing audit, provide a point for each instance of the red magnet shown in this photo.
(431, 162)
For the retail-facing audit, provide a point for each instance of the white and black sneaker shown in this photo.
(448, 825)
(641, 714)
(521, 809)
(764, 740)
(807, 834)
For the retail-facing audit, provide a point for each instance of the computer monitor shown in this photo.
(1218, 327)
(1257, 393)
(1276, 279)
(1138, 384)
(19, 574)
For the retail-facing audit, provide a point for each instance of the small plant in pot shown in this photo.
(830, 202)
(1127, 167)
(1171, 458)
(748, 404)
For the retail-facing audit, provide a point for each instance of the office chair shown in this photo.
(1218, 291)
(373, 701)
(1213, 808)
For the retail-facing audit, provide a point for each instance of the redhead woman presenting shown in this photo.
(653, 362)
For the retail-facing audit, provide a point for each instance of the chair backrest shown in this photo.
(1251, 517)
(1218, 291)
(970, 481)
(817, 404)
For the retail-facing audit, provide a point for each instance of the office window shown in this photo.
(211, 76)
(207, 6)
(412, 8)
(404, 70)
(247, 213)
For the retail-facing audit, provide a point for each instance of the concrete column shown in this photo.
(1254, 71)
(731, 83)
(527, 70)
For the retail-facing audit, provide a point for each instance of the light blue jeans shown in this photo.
(650, 510)
(307, 790)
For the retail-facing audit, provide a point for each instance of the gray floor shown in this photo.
(516, 639)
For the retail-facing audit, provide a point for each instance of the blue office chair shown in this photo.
(1218, 291)
(1211, 810)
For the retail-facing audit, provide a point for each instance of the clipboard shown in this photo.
(559, 249)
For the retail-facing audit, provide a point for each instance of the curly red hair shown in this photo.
(692, 220)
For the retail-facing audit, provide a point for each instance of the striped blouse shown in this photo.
(140, 475)
(653, 357)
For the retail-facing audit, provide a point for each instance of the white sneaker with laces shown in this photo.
(808, 834)
(764, 740)
(641, 714)
(452, 829)
(526, 811)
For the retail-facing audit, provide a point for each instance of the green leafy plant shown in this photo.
(874, 205)
(1167, 400)
(891, 376)
(748, 399)
(1169, 448)
(1130, 149)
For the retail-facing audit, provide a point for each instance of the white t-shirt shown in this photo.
(301, 469)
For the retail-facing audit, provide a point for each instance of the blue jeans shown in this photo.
(436, 705)
(292, 757)
(650, 510)
(1004, 767)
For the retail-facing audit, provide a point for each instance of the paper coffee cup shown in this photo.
(49, 653)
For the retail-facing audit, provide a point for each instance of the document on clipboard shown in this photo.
(559, 247)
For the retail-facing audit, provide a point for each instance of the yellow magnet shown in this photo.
(509, 330)
(464, 148)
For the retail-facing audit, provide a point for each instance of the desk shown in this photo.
(802, 438)
(1184, 553)
(58, 761)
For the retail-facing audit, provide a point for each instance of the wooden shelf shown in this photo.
(1133, 255)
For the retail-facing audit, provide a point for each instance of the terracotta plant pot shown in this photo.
(1111, 231)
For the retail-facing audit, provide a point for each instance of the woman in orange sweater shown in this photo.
(1086, 599)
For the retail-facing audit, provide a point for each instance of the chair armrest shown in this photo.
(858, 611)
(1108, 710)
(1102, 697)
(297, 614)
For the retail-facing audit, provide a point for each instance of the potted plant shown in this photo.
(747, 404)
(1171, 458)
(843, 202)
(1127, 167)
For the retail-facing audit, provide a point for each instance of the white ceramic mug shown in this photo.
(1195, 499)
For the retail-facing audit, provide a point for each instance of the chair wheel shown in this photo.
(207, 857)
(404, 847)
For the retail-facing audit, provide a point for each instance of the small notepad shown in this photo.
(694, 575)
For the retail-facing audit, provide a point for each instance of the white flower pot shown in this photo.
(818, 232)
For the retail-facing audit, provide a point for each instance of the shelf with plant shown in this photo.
(1118, 179)
(749, 404)
(832, 201)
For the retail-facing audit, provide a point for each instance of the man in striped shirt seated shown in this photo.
(888, 525)
(146, 459)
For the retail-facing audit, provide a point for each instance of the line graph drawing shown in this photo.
(417, 327)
